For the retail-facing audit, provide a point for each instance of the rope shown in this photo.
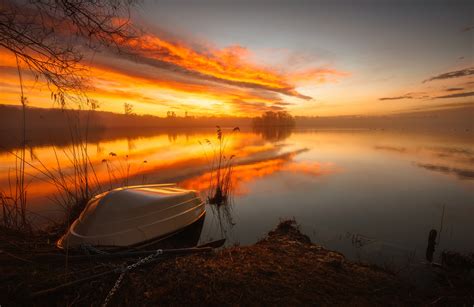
(88, 249)
(124, 270)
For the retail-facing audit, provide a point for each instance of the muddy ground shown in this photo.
(284, 268)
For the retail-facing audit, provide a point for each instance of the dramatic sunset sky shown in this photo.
(319, 58)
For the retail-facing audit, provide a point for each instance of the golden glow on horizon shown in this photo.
(211, 82)
(221, 82)
(151, 96)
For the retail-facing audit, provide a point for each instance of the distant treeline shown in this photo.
(46, 126)
(57, 120)
(39, 118)
(449, 118)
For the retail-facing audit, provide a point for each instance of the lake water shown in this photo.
(370, 194)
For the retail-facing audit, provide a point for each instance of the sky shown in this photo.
(311, 58)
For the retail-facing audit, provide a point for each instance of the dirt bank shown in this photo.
(284, 268)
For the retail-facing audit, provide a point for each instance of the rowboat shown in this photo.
(131, 216)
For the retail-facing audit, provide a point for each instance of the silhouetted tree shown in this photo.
(128, 108)
(270, 118)
(274, 126)
(171, 114)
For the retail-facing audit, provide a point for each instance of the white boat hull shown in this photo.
(132, 215)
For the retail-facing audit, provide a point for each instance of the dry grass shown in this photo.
(284, 268)
(73, 176)
(13, 202)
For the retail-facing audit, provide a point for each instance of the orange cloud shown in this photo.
(227, 65)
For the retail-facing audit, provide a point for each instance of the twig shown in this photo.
(14, 256)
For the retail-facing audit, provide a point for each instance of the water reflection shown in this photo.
(256, 167)
(274, 133)
(223, 220)
(460, 173)
(385, 186)
(61, 138)
(454, 160)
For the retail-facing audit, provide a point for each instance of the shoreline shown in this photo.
(284, 267)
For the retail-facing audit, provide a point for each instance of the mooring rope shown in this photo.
(124, 270)
(88, 248)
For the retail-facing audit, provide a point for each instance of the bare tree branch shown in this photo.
(51, 37)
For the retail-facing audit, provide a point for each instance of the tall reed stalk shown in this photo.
(75, 180)
(220, 185)
(74, 188)
(13, 203)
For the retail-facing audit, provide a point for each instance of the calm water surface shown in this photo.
(369, 194)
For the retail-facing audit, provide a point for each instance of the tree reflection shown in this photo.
(274, 133)
(274, 126)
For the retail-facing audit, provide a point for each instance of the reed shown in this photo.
(220, 182)
(75, 180)
(14, 200)
(73, 175)
(119, 170)
(80, 182)
(75, 183)
(13, 203)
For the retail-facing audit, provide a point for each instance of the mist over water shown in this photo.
(365, 193)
